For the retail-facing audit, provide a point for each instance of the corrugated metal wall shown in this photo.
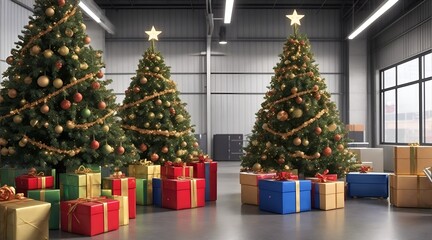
(13, 17)
(241, 70)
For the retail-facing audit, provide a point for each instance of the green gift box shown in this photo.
(8, 175)
(75, 185)
(106, 192)
(144, 191)
(52, 196)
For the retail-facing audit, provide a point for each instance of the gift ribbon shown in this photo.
(413, 157)
(7, 193)
(323, 177)
(297, 186)
(83, 170)
(124, 186)
(194, 195)
(145, 162)
(41, 179)
(4, 222)
(364, 169)
(284, 176)
(73, 206)
(42, 195)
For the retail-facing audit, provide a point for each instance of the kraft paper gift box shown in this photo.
(410, 191)
(124, 186)
(249, 186)
(144, 192)
(173, 172)
(82, 185)
(328, 195)
(370, 184)
(52, 196)
(23, 219)
(284, 196)
(183, 193)
(411, 160)
(208, 170)
(157, 192)
(144, 171)
(89, 216)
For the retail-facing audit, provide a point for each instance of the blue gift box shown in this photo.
(157, 192)
(371, 184)
(281, 196)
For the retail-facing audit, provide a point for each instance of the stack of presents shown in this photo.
(283, 193)
(88, 203)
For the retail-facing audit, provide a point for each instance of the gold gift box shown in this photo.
(249, 186)
(331, 194)
(410, 191)
(124, 209)
(24, 219)
(405, 165)
(144, 171)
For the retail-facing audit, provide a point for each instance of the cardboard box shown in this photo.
(89, 217)
(249, 186)
(73, 186)
(123, 187)
(207, 170)
(284, 196)
(183, 193)
(52, 196)
(369, 184)
(412, 160)
(17, 215)
(328, 195)
(410, 191)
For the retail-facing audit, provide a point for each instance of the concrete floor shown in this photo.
(227, 219)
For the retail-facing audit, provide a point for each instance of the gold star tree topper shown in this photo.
(295, 18)
(153, 34)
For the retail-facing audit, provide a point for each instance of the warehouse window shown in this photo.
(406, 101)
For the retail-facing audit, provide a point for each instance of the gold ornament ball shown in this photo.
(12, 93)
(9, 60)
(294, 90)
(159, 116)
(17, 119)
(143, 80)
(146, 125)
(195, 144)
(157, 125)
(332, 127)
(179, 118)
(49, 12)
(69, 32)
(167, 104)
(151, 115)
(263, 157)
(254, 143)
(58, 129)
(46, 124)
(156, 69)
(3, 142)
(35, 50)
(132, 116)
(256, 167)
(179, 153)
(70, 124)
(340, 147)
(265, 126)
(105, 128)
(305, 142)
(4, 151)
(282, 116)
(43, 81)
(33, 122)
(63, 50)
(11, 150)
(17, 78)
(178, 160)
(183, 144)
(317, 155)
(158, 102)
(158, 58)
(28, 80)
(22, 144)
(74, 57)
(291, 76)
(84, 66)
(83, 26)
(78, 49)
(268, 144)
(297, 141)
(58, 83)
(73, 79)
(45, 108)
(297, 113)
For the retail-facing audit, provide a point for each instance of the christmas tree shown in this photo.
(298, 126)
(152, 114)
(54, 108)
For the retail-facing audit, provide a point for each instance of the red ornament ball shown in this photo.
(318, 130)
(65, 104)
(61, 3)
(172, 111)
(95, 85)
(9, 60)
(101, 105)
(299, 100)
(94, 144)
(99, 74)
(136, 89)
(327, 151)
(143, 147)
(12, 93)
(87, 40)
(58, 65)
(164, 149)
(120, 150)
(44, 109)
(154, 157)
(337, 137)
(77, 97)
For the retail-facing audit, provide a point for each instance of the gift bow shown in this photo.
(118, 174)
(416, 144)
(8, 193)
(322, 177)
(364, 169)
(33, 173)
(145, 162)
(284, 176)
(175, 164)
(204, 158)
(82, 170)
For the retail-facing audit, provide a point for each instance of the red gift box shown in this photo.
(173, 172)
(89, 216)
(183, 193)
(125, 186)
(33, 182)
(207, 169)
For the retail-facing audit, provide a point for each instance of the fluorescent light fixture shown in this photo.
(222, 35)
(381, 10)
(89, 12)
(229, 4)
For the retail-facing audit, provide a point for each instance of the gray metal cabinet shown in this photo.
(227, 147)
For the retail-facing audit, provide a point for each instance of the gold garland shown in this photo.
(49, 28)
(146, 98)
(49, 96)
(289, 97)
(295, 130)
(158, 75)
(52, 149)
(100, 121)
(157, 132)
(302, 155)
